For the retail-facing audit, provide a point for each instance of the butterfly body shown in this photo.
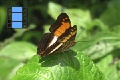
(60, 39)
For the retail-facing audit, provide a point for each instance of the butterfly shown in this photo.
(60, 38)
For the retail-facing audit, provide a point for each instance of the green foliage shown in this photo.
(2, 17)
(61, 66)
(12, 57)
(24, 53)
(96, 55)
(112, 15)
(6, 66)
(112, 70)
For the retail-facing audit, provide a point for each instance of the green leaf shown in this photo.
(19, 50)
(60, 66)
(6, 66)
(2, 18)
(100, 45)
(12, 55)
(106, 66)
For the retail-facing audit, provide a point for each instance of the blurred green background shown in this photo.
(100, 18)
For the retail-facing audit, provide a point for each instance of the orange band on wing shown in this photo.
(62, 29)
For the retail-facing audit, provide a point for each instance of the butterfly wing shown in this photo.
(44, 42)
(63, 43)
(61, 25)
(64, 34)
(68, 40)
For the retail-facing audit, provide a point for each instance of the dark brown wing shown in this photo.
(67, 40)
(44, 42)
(61, 25)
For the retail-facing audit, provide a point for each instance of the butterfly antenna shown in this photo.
(80, 34)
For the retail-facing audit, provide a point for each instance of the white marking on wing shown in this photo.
(56, 48)
(53, 40)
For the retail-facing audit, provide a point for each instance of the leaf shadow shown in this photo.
(63, 59)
